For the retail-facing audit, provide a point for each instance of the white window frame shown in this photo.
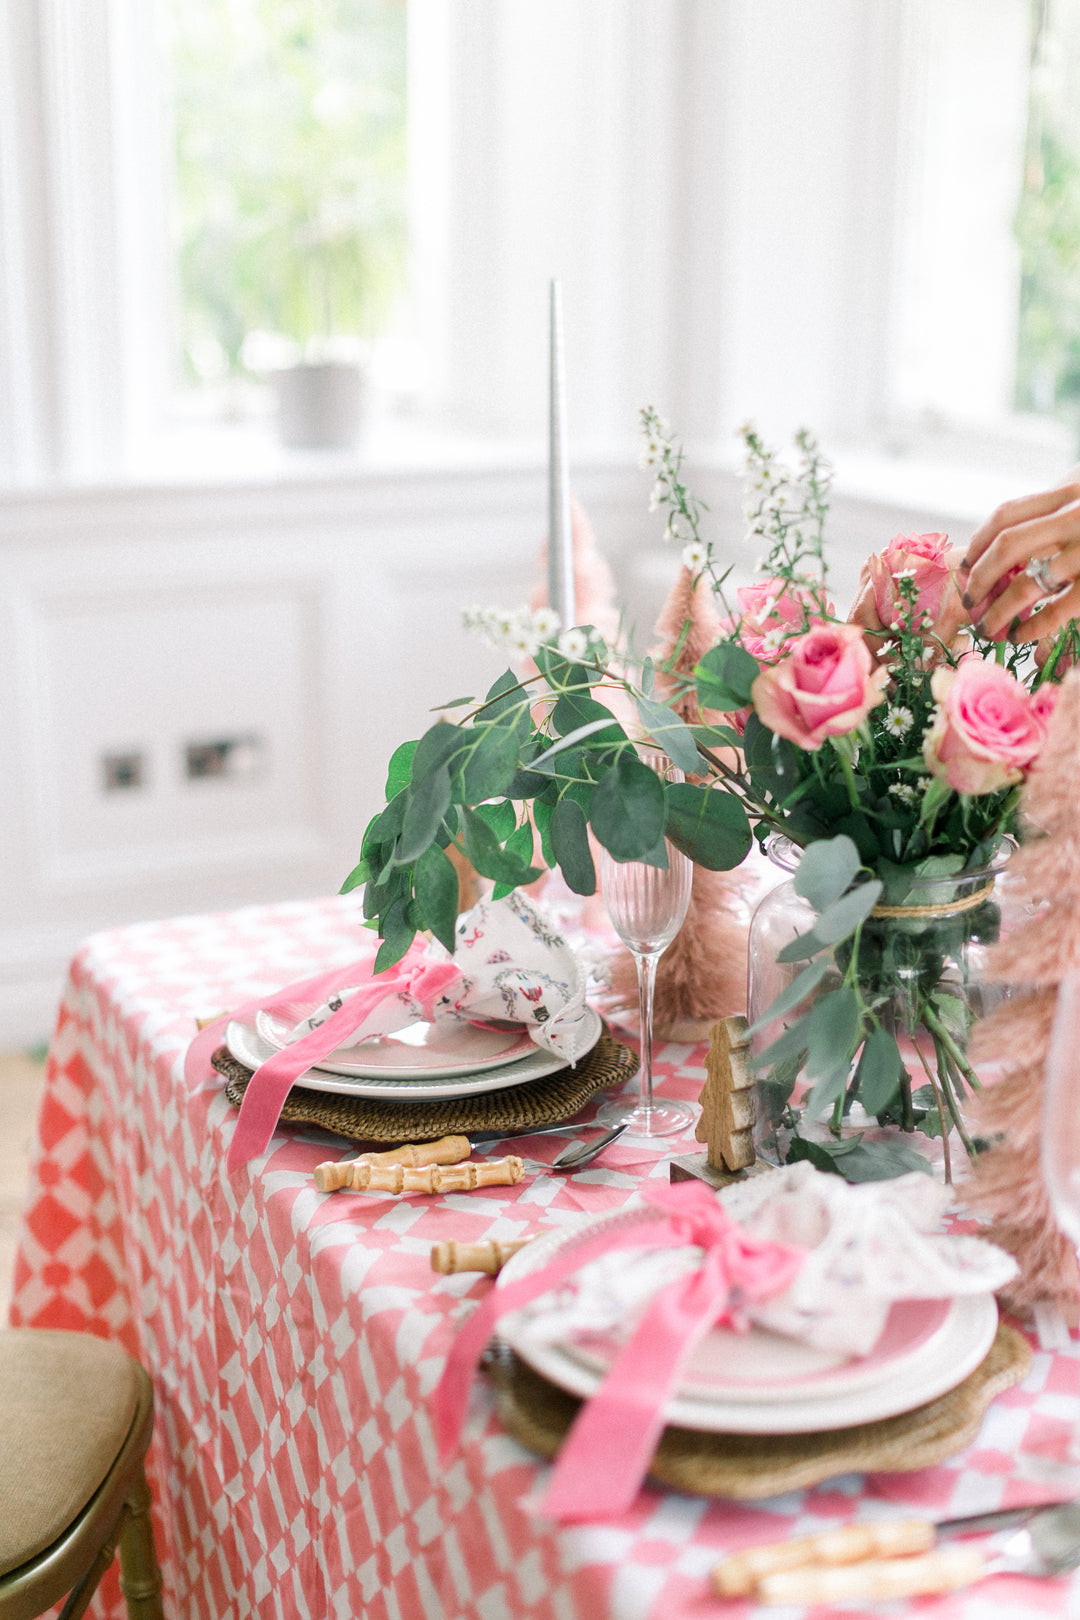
(694, 276)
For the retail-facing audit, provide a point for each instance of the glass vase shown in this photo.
(921, 964)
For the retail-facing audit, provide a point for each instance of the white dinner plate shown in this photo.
(420, 1051)
(247, 1047)
(928, 1347)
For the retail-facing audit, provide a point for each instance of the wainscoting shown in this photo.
(200, 686)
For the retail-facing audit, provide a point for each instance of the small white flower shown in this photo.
(545, 623)
(899, 720)
(573, 644)
(923, 783)
(904, 791)
(695, 556)
(773, 640)
(523, 642)
(508, 624)
(904, 573)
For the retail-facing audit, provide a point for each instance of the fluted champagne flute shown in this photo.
(647, 906)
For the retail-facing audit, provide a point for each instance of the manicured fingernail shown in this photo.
(980, 630)
(965, 567)
(967, 601)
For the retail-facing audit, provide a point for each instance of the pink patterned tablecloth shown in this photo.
(294, 1339)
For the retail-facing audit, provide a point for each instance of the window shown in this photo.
(1048, 222)
(290, 183)
(800, 210)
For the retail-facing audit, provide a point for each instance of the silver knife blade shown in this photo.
(1000, 1519)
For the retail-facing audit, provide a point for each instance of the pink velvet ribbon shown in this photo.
(416, 976)
(606, 1454)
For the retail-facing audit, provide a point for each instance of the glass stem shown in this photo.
(646, 970)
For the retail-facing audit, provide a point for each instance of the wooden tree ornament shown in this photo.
(726, 1125)
(702, 975)
(1006, 1181)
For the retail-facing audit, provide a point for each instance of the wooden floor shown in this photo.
(20, 1089)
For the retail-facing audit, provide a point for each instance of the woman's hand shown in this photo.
(1026, 553)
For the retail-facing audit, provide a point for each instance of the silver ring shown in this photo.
(1038, 569)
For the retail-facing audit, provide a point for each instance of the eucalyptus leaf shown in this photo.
(796, 992)
(716, 736)
(436, 885)
(562, 673)
(570, 846)
(882, 1161)
(825, 1090)
(520, 845)
(709, 825)
(792, 1043)
(363, 872)
(543, 762)
(880, 1071)
(399, 770)
(724, 677)
(436, 747)
(488, 856)
(800, 1148)
(826, 871)
(670, 733)
(648, 677)
(500, 817)
(835, 923)
(542, 812)
(429, 801)
(487, 765)
(627, 811)
(576, 709)
(834, 1030)
(386, 826)
(397, 935)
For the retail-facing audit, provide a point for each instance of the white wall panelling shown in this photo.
(323, 617)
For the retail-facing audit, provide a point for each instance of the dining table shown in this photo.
(295, 1338)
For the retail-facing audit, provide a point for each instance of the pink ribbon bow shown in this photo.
(606, 1454)
(416, 976)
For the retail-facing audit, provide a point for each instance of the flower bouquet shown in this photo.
(885, 753)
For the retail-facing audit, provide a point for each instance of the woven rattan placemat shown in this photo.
(547, 1101)
(752, 1466)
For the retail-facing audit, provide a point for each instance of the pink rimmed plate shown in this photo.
(761, 1383)
(420, 1051)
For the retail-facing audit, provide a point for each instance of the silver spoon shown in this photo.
(582, 1153)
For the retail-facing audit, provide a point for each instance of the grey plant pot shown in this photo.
(320, 404)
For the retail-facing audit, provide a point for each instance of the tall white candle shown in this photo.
(560, 527)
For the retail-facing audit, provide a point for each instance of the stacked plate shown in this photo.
(761, 1383)
(422, 1061)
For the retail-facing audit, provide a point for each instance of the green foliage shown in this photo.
(1048, 233)
(290, 167)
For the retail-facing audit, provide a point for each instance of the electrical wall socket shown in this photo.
(236, 758)
(122, 773)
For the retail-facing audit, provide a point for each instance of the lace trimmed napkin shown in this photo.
(867, 1246)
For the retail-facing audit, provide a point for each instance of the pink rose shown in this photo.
(772, 617)
(1044, 701)
(927, 561)
(826, 686)
(986, 729)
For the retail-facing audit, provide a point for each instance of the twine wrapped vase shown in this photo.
(922, 964)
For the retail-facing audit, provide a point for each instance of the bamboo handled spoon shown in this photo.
(1048, 1545)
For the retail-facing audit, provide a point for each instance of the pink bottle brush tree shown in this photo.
(1006, 1181)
